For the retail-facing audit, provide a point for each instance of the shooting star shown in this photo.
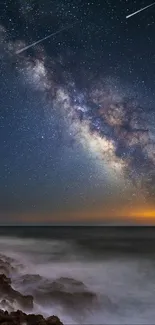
(136, 12)
(42, 39)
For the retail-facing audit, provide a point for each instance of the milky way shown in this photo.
(105, 118)
(104, 113)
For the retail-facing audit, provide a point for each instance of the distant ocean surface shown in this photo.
(84, 275)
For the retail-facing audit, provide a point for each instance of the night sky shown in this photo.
(77, 111)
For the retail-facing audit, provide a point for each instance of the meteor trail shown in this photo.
(42, 39)
(136, 12)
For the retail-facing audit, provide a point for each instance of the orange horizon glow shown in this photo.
(136, 215)
(144, 214)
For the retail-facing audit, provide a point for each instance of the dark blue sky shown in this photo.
(77, 111)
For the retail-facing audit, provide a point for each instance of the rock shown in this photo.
(5, 265)
(66, 291)
(18, 315)
(20, 318)
(35, 319)
(53, 320)
(73, 300)
(69, 292)
(11, 295)
(29, 282)
(6, 305)
(72, 282)
(68, 285)
(30, 278)
(25, 301)
(4, 281)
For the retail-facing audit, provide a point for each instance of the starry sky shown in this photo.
(77, 112)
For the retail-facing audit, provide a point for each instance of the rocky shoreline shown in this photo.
(9, 296)
(20, 318)
(17, 306)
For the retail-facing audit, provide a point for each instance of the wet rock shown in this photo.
(11, 295)
(20, 318)
(27, 278)
(18, 315)
(6, 305)
(68, 292)
(28, 282)
(73, 300)
(25, 301)
(71, 283)
(4, 281)
(53, 320)
(6, 258)
(5, 265)
(35, 319)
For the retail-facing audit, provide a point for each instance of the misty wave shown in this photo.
(65, 280)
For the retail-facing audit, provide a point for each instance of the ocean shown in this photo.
(84, 275)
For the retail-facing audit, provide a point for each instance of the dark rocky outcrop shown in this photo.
(72, 294)
(9, 295)
(69, 292)
(5, 265)
(20, 318)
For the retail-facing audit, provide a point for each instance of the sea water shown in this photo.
(117, 265)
